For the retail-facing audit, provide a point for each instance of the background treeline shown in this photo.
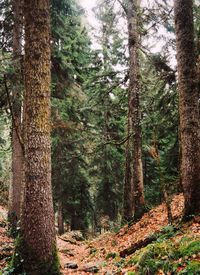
(89, 99)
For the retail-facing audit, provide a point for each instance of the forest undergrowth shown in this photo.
(150, 246)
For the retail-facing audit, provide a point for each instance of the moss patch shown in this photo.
(188, 248)
(17, 262)
(169, 256)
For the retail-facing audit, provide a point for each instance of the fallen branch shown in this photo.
(142, 243)
(165, 232)
(67, 240)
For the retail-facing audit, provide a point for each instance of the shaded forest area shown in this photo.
(99, 144)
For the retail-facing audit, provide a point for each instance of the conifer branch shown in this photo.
(112, 142)
(123, 6)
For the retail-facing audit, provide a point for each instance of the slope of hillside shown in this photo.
(150, 246)
(107, 254)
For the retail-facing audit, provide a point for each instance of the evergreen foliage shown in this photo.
(160, 131)
(89, 107)
(70, 57)
(107, 99)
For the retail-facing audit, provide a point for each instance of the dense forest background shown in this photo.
(116, 148)
(89, 109)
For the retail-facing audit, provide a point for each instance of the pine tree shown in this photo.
(15, 190)
(106, 100)
(188, 105)
(133, 190)
(70, 57)
(37, 243)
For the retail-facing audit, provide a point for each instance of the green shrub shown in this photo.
(188, 249)
(192, 268)
(111, 255)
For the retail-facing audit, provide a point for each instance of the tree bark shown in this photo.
(15, 189)
(38, 243)
(134, 178)
(128, 186)
(188, 106)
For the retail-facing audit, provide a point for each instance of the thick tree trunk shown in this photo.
(38, 243)
(136, 176)
(15, 190)
(188, 106)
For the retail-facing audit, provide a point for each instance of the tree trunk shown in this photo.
(38, 243)
(128, 186)
(188, 106)
(135, 145)
(15, 190)
(60, 217)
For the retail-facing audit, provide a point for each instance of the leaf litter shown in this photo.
(101, 255)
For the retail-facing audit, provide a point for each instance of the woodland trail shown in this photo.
(103, 252)
(101, 255)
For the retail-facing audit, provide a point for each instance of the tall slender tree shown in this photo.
(38, 244)
(15, 189)
(188, 105)
(133, 190)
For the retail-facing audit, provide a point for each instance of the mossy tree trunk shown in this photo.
(134, 190)
(38, 243)
(188, 106)
(15, 189)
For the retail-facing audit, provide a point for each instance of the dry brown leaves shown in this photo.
(95, 253)
(150, 223)
(6, 243)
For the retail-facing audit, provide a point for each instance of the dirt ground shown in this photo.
(95, 256)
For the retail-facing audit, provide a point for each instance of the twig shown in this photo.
(123, 6)
(118, 143)
(158, 22)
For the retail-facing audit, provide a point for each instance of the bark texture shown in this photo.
(188, 105)
(128, 186)
(134, 190)
(15, 189)
(38, 229)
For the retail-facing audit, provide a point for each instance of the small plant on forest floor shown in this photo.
(189, 248)
(192, 268)
(93, 250)
(130, 273)
(120, 263)
(113, 243)
(111, 255)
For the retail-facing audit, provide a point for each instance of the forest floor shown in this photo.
(154, 246)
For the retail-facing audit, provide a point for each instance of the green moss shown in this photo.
(190, 248)
(165, 255)
(17, 261)
(93, 250)
(13, 229)
(192, 268)
(149, 261)
(55, 266)
(111, 255)
(120, 263)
